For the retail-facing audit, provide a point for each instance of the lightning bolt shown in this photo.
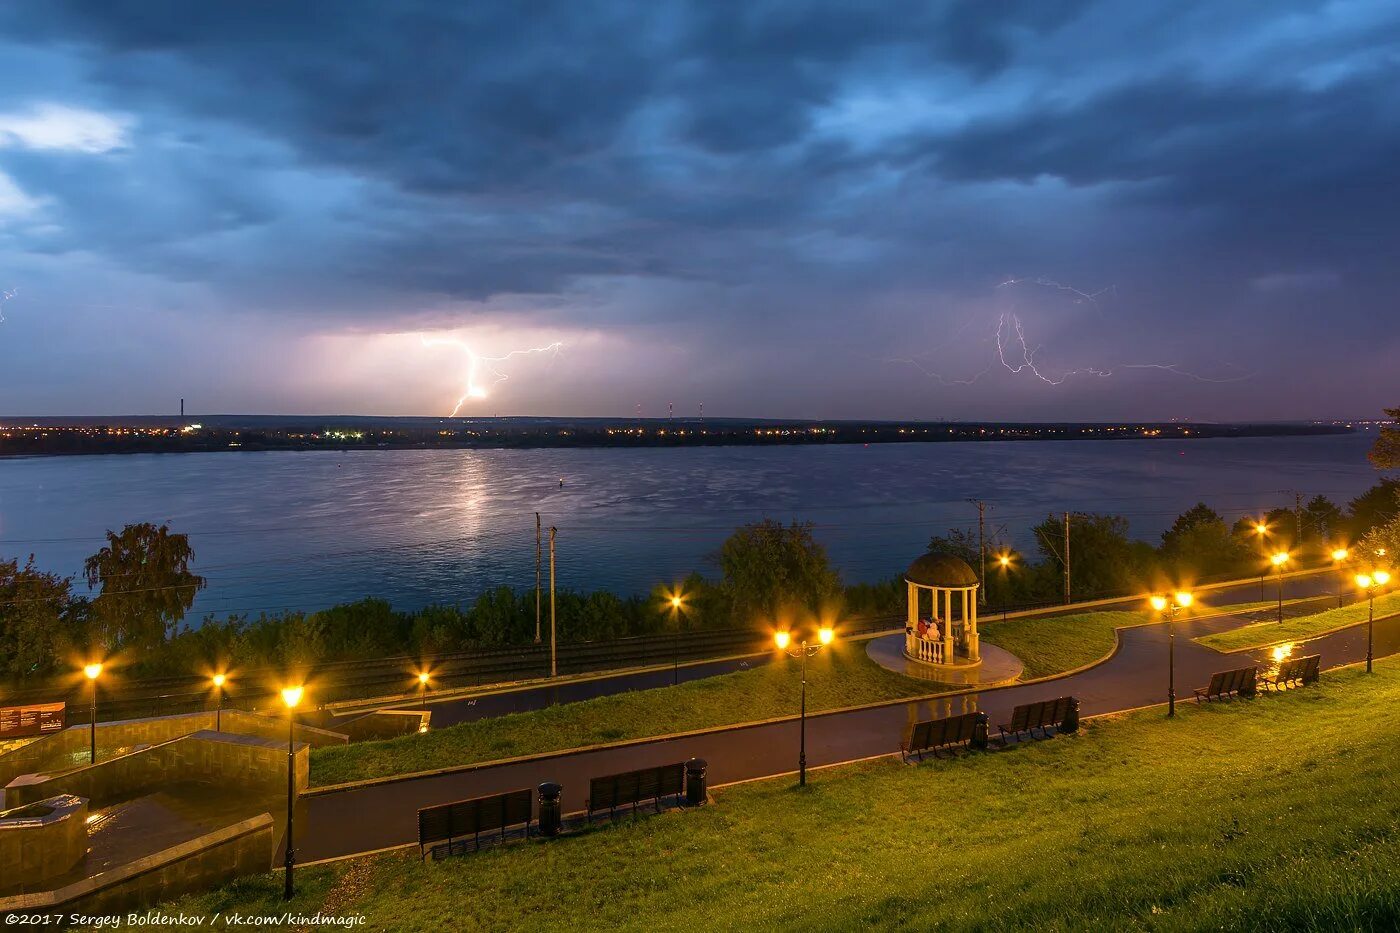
(1090, 297)
(1010, 337)
(481, 370)
(1010, 325)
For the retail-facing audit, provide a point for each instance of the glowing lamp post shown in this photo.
(783, 640)
(291, 696)
(1339, 558)
(92, 672)
(218, 680)
(1369, 583)
(1262, 530)
(1168, 607)
(1278, 560)
(676, 605)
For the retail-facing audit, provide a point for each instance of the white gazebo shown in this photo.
(945, 635)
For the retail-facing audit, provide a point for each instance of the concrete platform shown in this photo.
(998, 666)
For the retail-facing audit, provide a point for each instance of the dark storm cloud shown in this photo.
(785, 162)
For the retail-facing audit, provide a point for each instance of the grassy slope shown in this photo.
(1085, 831)
(1060, 643)
(841, 676)
(1299, 629)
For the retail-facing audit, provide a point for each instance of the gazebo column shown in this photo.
(974, 641)
(947, 626)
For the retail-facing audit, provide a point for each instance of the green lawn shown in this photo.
(842, 675)
(1059, 643)
(1281, 812)
(1299, 629)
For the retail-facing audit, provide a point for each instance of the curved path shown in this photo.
(340, 822)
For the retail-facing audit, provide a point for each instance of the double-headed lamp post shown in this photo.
(1278, 559)
(803, 651)
(1168, 607)
(1369, 583)
(218, 680)
(291, 696)
(92, 672)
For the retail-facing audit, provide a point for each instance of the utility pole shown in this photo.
(1067, 558)
(553, 639)
(981, 547)
(1297, 519)
(537, 578)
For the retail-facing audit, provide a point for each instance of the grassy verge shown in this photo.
(1062, 643)
(1059, 643)
(1299, 629)
(840, 676)
(1139, 822)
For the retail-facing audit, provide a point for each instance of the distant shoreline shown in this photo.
(234, 434)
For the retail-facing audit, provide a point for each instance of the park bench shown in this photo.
(1295, 672)
(936, 734)
(631, 788)
(1224, 683)
(1029, 717)
(451, 823)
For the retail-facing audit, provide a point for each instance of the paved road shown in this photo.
(360, 820)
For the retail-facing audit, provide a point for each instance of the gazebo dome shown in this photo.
(941, 570)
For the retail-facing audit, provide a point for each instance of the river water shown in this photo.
(300, 530)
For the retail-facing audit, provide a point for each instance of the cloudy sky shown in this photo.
(1030, 209)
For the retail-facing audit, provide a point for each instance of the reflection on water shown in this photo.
(276, 530)
(1277, 655)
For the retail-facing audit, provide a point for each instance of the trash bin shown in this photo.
(551, 812)
(695, 782)
(1071, 723)
(980, 728)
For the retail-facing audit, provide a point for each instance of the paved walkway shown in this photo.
(365, 819)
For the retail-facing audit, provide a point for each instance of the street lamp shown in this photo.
(1279, 559)
(219, 680)
(1339, 556)
(92, 672)
(1369, 583)
(675, 602)
(1262, 530)
(1179, 600)
(423, 678)
(783, 639)
(291, 696)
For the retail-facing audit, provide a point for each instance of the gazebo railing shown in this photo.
(923, 649)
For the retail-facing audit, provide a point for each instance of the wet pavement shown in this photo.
(384, 815)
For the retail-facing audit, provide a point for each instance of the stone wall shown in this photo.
(213, 859)
(247, 762)
(69, 748)
(41, 842)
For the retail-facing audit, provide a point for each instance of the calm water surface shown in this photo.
(299, 530)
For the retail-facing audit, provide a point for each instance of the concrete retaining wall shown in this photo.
(41, 842)
(247, 762)
(69, 748)
(213, 859)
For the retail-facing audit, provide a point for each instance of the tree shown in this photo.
(771, 570)
(37, 613)
(1199, 543)
(1103, 561)
(1376, 506)
(1381, 545)
(146, 586)
(1323, 522)
(957, 543)
(1385, 452)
